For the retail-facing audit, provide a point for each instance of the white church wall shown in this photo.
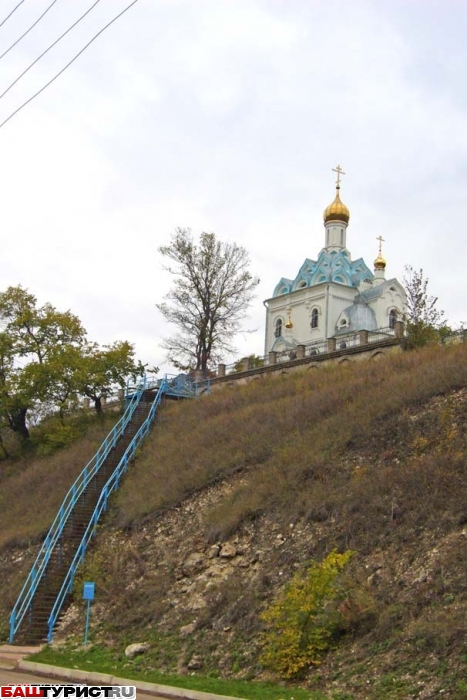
(335, 283)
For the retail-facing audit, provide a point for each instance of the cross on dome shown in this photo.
(339, 172)
(337, 211)
(380, 262)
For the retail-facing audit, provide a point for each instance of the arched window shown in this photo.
(392, 318)
(278, 328)
(314, 318)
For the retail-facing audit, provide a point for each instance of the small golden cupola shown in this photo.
(380, 262)
(337, 211)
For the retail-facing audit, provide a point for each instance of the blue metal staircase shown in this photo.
(50, 581)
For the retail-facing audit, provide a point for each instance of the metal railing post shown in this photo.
(12, 626)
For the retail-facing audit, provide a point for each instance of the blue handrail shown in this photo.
(79, 486)
(179, 386)
(110, 486)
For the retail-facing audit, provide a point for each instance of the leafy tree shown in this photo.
(208, 300)
(425, 321)
(103, 369)
(32, 342)
(255, 362)
(47, 364)
(37, 332)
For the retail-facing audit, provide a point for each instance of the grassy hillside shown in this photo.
(300, 439)
(368, 457)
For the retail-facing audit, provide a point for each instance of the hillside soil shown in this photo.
(388, 481)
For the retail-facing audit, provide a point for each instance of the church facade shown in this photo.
(333, 296)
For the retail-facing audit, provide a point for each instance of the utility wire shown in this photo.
(69, 63)
(27, 30)
(13, 10)
(48, 48)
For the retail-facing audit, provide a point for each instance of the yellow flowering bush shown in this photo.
(301, 622)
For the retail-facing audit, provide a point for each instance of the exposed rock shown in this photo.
(241, 561)
(228, 551)
(198, 585)
(197, 603)
(194, 563)
(188, 629)
(374, 579)
(195, 663)
(213, 551)
(135, 649)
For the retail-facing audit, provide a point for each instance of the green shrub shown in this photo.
(302, 622)
(56, 437)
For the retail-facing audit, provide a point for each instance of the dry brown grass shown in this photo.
(33, 487)
(289, 433)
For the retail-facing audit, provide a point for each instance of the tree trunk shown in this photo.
(98, 404)
(2, 447)
(17, 422)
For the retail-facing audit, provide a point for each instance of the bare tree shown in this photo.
(209, 298)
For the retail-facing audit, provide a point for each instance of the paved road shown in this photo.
(20, 677)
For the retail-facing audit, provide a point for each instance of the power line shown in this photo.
(69, 63)
(27, 30)
(48, 48)
(13, 10)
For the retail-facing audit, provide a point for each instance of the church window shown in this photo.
(392, 318)
(314, 318)
(343, 322)
(392, 289)
(342, 345)
(302, 285)
(339, 279)
(278, 328)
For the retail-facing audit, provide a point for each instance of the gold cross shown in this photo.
(381, 241)
(339, 172)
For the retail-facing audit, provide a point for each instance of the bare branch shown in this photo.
(211, 293)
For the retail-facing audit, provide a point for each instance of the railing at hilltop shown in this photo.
(314, 349)
(179, 385)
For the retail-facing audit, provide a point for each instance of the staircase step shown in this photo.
(35, 624)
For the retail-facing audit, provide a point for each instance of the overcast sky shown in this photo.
(228, 116)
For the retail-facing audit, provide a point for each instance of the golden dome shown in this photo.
(380, 262)
(337, 211)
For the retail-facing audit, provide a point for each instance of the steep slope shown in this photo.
(233, 493)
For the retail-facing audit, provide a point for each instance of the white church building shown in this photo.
(333, 296)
